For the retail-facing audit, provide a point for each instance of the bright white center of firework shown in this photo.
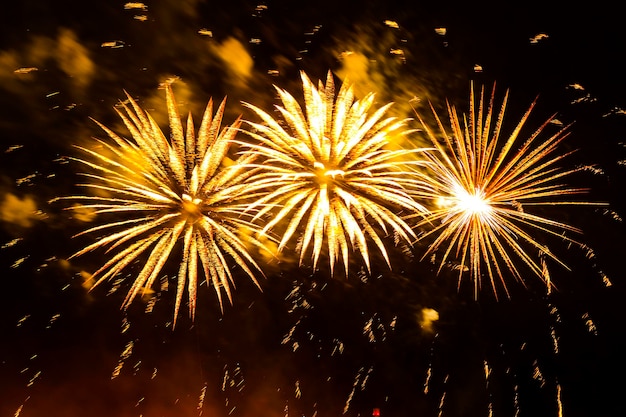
(190, 206)
(324, 175)
(472, 203)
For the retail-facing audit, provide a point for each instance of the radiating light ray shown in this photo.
(329, 175)
(483, 182)
(170, 194)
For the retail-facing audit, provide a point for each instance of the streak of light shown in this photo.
(338, 347)
(13, 148)
(487, 370)
(201, 399)
(25, 70)
(538, 37)
(537, 375)
(298, 391)
(135, 6)
(357, 382)
(126, 353)
(34, 378)
(53, 319)
(558, 400)
(392, 24)
(113, 44)
(429, 373)
(441, 404)
(605, 279)
(591, 327)
(12, 243)
(22, 320)
(19, 261)
(26, 180)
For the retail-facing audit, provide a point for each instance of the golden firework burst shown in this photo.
(170, 194)
(329, 174)
(483, 189)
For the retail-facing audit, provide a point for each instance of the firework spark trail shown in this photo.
(360, 381)
(483, 184)
(171, 191)
(328, 172)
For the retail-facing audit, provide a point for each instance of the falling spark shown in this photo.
(34, 378)
(367, 329)
(516, 400)
(126, 353)
(11, 243)
(330, 173)
(443, 397)
(135, 5)
(21, 321)
(587, 98)
(338, 347)
(170, 191)
(538, 37)
(556, 318)
(53, 319)
(605, 279)
(392, 24)
(201, 399)
(558, 400)
(357, 383)
(13, 148)
(591, 327)
(487, 388)
(25, 180)
(298, 391)
(537, 375)
(483, 186)
(19, 261)
(113, 44)
(25, 70)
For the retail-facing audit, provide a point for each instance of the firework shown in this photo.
(482, 186)
(329, 174)
(167, 195)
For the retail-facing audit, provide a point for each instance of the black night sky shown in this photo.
(400, 342)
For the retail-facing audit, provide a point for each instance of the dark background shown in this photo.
(307, 345)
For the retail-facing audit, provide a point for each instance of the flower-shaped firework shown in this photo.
(484, 187)
(330, 175)
(166, 195)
